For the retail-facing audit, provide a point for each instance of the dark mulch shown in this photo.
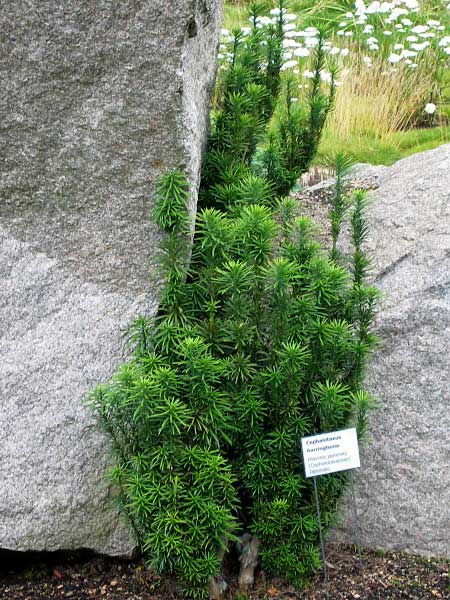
(388, 575)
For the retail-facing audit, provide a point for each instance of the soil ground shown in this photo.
(387, 575)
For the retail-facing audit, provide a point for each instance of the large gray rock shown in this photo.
(403, 487)
(98, 99)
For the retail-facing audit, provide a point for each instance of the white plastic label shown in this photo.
(330, 452)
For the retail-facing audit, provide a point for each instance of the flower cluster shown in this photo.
(401, 34)
(395, 31)
(397, 28)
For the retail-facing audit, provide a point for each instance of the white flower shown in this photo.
(290, 17)
(413, 66)
(359, 5)
(407, 22)
(265, 20)
(433, 23)
(361, 20)
(225, 32)
(412, 38)
(325, 76)
(420, 47)
(308, 74)
(445, 41)
(408, 54)
(289, 27)
(373, 8)
(430, 108)
(290, 64)
(447, 50)
(345, 52)
(387, 32)
(391, 18)
(367, 60)
(386, 7)
(301, 52)
(396, 13)
(394, 58)
(276, 11)
(398, 47)
(349, 15)
(311, 41)
(372, 40)
(341, 32)
(348, 33)
(288, 43)
(294, 99)
(412, 4)
(419, 29)
(368, 28)
(334, 51)
(311, 30)
(245, 30)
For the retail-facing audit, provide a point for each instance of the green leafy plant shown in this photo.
(260, 339)
(265, 342)
(341, 164)
(258, 128)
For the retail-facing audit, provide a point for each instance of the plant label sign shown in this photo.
(330, 452)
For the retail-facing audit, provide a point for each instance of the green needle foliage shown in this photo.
(257, 130)
(263, 343)
(341, 163)
(260, 340)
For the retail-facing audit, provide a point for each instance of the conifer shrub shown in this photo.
(257, 130)
(261, 338)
